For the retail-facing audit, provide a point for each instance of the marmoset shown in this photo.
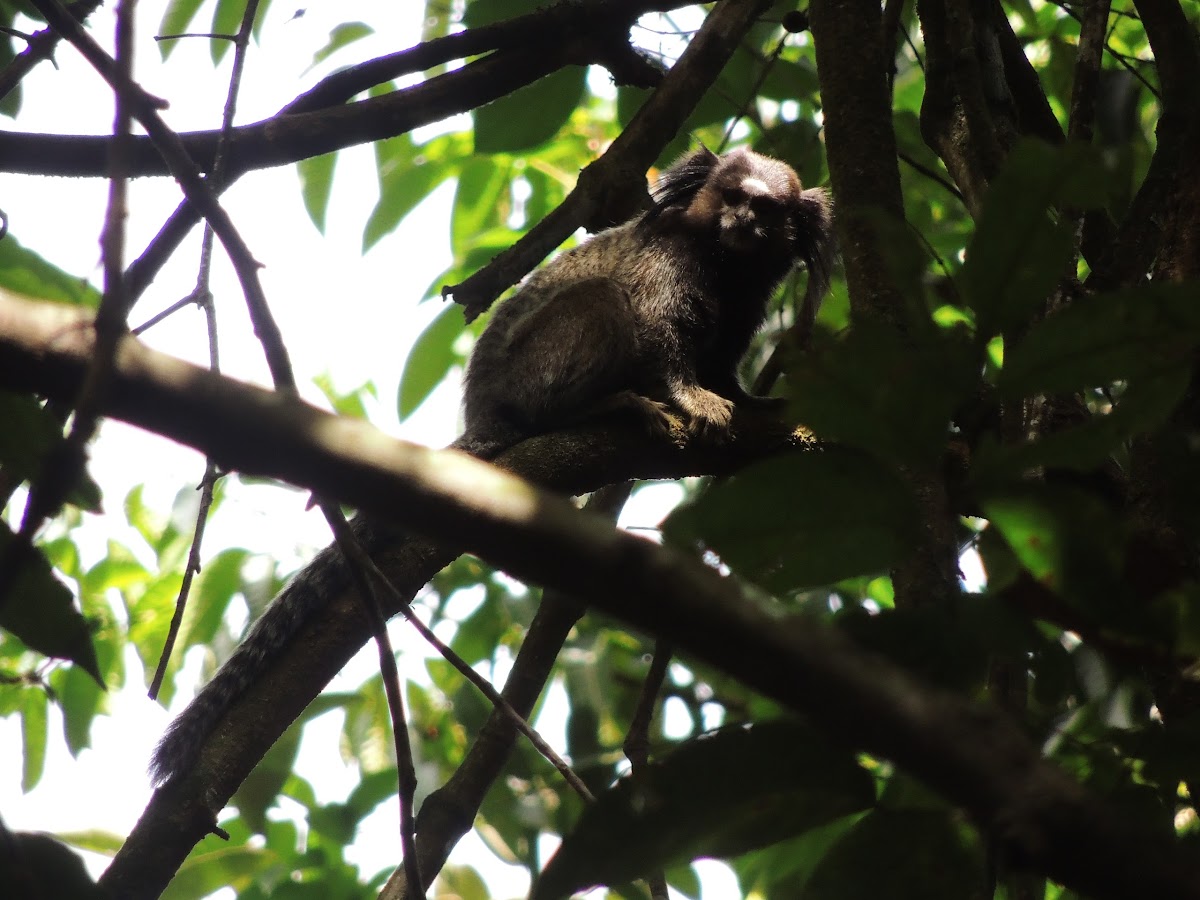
(652, 316)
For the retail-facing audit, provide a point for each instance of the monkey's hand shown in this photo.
(710, 413)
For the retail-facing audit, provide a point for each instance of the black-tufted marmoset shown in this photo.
(651, 316)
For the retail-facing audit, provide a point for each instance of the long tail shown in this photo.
(301, 599)
(304, 595)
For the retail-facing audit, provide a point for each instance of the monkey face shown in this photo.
(747, 206)
(750, 216)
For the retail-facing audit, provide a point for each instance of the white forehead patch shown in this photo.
(755, 186)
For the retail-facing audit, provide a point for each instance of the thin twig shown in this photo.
(360, 565)
(637, 739)
(40, 47)
(748, 107)
(211, 35)
(932, 174)
(185, 171)
(1123, 59)
(202, 294)
(485, 687)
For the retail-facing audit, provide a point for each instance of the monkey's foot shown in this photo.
(709, 414)
(659, 419)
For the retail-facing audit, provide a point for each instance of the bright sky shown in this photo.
(340, 311)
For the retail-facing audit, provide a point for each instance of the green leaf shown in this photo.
(342, 36)
(10, 103)
(29, 435)
(257, 793)
(1144, 331)
(945, 649)
(477, 636)
(783, 869)
(887, 393)
(1073, 543)
(176, 19)
(462, 882)
(210, 868)
(34, 728)
(803, 520)
(80, 699)
(260, 19)
(375, 788)
(150, 611)
(684, 880)
(316, 182)
(367, 731)
(408, 173)
(105, 843)
(227, 19)
(349, 403)
(789, 79)
(531, 115)
(219, 580)
(485, 12)
(1145, 404)
(775, 780)
(430, 359)
(481, 201)
(906, 855)
(40, 610)
(24, 272)
(1022, 246)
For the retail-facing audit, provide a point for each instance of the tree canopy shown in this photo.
(1003, 377)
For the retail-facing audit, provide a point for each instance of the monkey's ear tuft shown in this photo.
(814, 236)
(679, 184)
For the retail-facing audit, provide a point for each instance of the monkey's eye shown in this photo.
(733, 196)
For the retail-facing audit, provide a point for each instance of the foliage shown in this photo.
(1057, 418)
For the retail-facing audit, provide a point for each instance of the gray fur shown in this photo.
(302, 598)
(655, 314)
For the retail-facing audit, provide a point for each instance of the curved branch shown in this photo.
(566, 34)
(971, 753)
(287, 139)
(536, 29)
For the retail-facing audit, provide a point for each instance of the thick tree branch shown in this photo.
(972, 754)
(533, 30)
(566, 34)
(852, 66)
(449, 812)
(852, 62)
(1034, 114)
(1160, 228)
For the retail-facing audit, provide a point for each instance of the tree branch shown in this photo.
(972, 754)
(565, 34)
(852, 64)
